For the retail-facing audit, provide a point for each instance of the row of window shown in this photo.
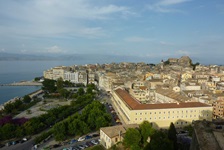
(190, 111)
(159, 118)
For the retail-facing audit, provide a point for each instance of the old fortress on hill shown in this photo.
(172, 91)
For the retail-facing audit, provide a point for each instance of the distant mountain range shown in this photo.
(97, 57)
(101, 58)
(11, 56)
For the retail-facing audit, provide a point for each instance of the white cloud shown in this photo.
(137, 39)
(57, 18)
(171, 2)
(182, 52)
(54, 49)
(166, 43)
(166, 6)
(2, 50)
(91, 32)
(23, 51)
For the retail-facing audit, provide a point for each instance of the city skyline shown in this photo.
(151, 29)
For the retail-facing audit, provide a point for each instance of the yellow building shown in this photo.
(110, 136)
(185, 76)
(148, 76)
(160, 115)
(48, 74)
(218, 109)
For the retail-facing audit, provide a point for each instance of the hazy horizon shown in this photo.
(98, 58)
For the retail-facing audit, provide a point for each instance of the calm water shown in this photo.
(14, 71)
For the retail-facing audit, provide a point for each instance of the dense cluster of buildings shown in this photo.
(172, 91)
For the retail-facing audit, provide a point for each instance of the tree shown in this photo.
(37, 79)
(64, 93)
(59, 131)
(81, 91)
(101, 122)
(34, 125)
(68, 83)
(49, 85)
(159, 140)
(132, 138)
(172, 135)
(8, 131)
(59, 84)
(26, 99)
(89, 90)
(12, 107)
(73, 127)
(146, 131)
(190, 129)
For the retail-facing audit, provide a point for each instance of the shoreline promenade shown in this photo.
(23, 83)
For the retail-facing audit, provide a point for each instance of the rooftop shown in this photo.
(116, 130)
(133, 104)
(171, 94)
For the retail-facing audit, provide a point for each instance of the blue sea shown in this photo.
(15, 71)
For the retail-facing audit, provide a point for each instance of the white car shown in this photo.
(81, 139)
(81, 146)
(95, 142)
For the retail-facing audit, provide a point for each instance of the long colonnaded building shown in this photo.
(161, 114)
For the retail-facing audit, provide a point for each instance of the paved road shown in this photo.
(20, 146)
(76, 144)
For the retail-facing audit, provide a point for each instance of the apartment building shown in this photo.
(48, 74)
(106, 80)
(58, 72)
(66, 74)
(160, 114)
(140, 91)
(189, 86)
(82, 77)
(72, 77)
(91, 78)
(218, 109)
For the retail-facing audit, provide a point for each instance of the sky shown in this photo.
(143, 28)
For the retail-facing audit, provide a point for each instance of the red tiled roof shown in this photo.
(143, 87)
(135, 105)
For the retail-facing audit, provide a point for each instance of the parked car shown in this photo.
(13, 142)
(81, 139)
(25, 139)
(21, 141)
(76, 148)
(95, 142)
(81, 146)
(56, 145)
(184, 133)
(1, 145)
(8, 144)
(89, 144)
(95, 135)
(73, 141)
(88, 137)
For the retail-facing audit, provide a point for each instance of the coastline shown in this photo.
(23, 83)
(32, 94)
